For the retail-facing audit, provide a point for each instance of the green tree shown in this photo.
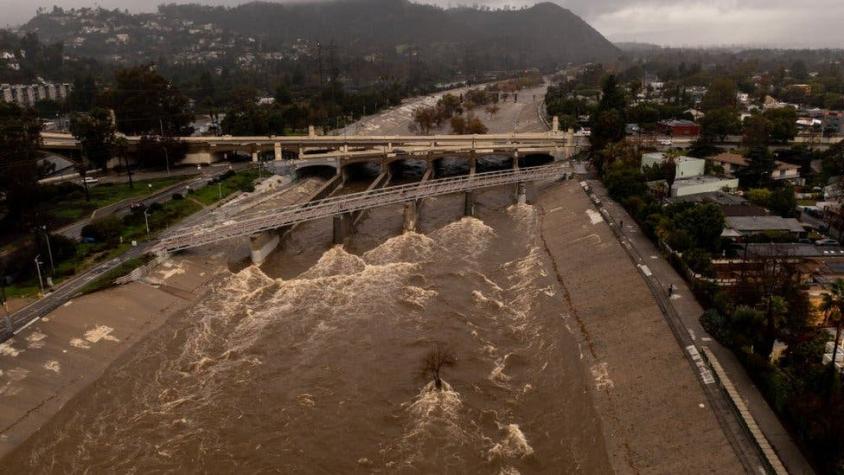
(20, 138)
(757, 131)
(760, 166)
(95, 133)
(721, 94)
(832, 306)
(783, 202)
(623, 181)
(83, 95)
(148, 104)
(783, 122)
(608, 122)
(703, 222)
(719, 123)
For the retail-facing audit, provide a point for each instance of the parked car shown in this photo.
(826, 242)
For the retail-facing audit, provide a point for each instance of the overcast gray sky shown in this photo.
(791, 23)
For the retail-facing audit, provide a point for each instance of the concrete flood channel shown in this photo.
(310, 362)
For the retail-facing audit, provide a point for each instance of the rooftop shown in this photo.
(764, 223)
(793, 250)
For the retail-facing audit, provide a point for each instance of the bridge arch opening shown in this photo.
(362, 171)
(319, 171)
(489, 163)
(451, 165)
(408, 169)
(535, 160)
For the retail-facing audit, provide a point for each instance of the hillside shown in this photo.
(545, 35)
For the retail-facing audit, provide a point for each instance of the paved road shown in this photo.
(163, 195)
(686, 308)
(67, 289)
(65, 292)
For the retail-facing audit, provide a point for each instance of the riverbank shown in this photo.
(54, 359)
(654, 414)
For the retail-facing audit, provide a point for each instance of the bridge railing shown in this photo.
(256, 222)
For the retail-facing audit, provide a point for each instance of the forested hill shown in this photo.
(545, 35)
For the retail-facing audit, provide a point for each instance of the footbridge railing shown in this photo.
(250, 223)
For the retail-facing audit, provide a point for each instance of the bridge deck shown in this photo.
(255, 222)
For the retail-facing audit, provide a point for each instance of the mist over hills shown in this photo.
(545, 35)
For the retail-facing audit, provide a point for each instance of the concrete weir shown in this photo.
(262, 244)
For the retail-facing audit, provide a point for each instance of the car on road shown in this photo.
(137, 206)
(666, 142)
(826, 242)
(89, 180)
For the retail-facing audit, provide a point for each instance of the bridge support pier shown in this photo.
(411, 211)
(277, 151)
(515, 160)
(255, 156)
(473, 162)
(342, 228)
(469, 204)
(521, 193)
(261, 245)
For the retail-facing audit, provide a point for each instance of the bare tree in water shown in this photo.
(435, 360)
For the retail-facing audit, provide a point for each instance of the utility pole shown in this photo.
(166, 154)
(49, 250)
(38, 269)
(146, 221)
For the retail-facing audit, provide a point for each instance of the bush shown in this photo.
(103, 230)
(718, 326)
(699, 261)
(178, 196)
(679, 240)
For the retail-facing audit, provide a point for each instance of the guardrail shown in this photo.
(256, 222)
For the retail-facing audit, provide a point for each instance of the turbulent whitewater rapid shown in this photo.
(312, 365)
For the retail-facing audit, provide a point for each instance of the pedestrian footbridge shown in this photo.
(259, 223)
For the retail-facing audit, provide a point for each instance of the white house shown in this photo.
(687, 167)
(702, 184)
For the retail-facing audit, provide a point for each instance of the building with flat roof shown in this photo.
(679, 128)
(26, 95)
(702, 184)
(687, 167)
(738, 226)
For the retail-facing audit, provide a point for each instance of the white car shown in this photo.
(665, 142)
(89, 180)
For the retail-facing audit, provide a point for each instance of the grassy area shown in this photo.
(107, 280)
(73, 206)
(133, 228)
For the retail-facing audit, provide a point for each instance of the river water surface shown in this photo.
(312, 364)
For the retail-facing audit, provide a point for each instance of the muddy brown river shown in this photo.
(312, 364)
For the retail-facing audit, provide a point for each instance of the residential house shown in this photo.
(679, 128)
(731, 163)
(686, 167)
(702, 184)
(743, 226)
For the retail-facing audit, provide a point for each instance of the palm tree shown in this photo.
(832, 306)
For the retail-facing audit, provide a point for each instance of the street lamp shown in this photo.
(38, 268)
(146, 221)
(7, 317)
(49, 250)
